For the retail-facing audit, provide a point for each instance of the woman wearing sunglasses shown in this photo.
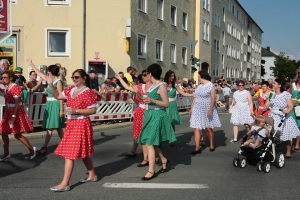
(15, 119)
(78, 139)
(156, 124)
(242, 113)
(54, 112)
(141, 88)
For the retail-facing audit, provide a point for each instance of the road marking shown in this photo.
(155, 185)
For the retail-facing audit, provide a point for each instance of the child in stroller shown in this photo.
(265, 153)
(258, 131)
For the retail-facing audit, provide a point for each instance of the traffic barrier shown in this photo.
(110, 106)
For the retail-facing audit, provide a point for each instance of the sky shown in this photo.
(280, 22)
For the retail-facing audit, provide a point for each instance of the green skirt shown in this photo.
(156, 128)
(297, 119)
(173, 114)
(51, 119)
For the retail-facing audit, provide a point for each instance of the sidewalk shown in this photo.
(41, 133)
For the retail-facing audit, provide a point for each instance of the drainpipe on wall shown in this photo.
(84, 35)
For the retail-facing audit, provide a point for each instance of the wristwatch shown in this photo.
(13, 116)
(76, 111)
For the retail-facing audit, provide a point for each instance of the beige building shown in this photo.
(229, 40)
(107, 36)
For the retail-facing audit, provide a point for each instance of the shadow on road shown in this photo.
(19, 163)
(105, 138)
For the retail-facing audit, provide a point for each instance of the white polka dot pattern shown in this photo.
(289, 128)
(201, 106)
(241, 111)
(78, 138)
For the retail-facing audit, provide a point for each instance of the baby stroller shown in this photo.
(265, 154)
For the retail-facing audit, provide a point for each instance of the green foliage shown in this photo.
(284, 67)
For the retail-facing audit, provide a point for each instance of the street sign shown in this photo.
(190, 44)
(5, 20)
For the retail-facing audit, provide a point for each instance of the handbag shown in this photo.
(297, 111)
(230, 108)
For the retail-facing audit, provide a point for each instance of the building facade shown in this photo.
(107, 36)
(229, 40)
(269, 57)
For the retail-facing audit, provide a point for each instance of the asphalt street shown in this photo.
(209, 175)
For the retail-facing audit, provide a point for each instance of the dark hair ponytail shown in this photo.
(83, 74)
(281, 83)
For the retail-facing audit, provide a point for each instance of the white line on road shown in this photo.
(155, 185)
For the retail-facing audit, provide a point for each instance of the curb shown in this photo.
(97, 128)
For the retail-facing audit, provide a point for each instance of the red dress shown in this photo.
(78, 138)
(261, 103)
(138, 114)
(21, 123)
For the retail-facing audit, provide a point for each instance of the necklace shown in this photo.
(80, 88)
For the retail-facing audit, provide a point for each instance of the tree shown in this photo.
(285, 68)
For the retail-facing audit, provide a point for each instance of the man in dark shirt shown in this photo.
(94, 82)
(121, 74)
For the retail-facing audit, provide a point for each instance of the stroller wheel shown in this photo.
(266, 167)
(279, 161)
(236, 162)
(259, 166)
(243, 163)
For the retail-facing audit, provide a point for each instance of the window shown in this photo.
(206, 4)
(216, 45)
(223, 13)
(229, 51)
(238, 15)
(217, 19)
(173, 53)
(142, 5)
(159, 49)
(229, 6)
(184, 56)
(142, 46)
(160, 8)
(58, 2)
(215, 70)
(245, 57)
(223, 38)
(229, 28)
(173, 15)
(58, 42)
(234, 10)
(205, 35)
(184, 21)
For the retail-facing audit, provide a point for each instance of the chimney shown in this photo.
(268, 48)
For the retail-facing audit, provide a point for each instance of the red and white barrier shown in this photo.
(110, 106)
(35, 108)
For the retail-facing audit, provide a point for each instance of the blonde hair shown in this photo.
(62, 70)
(107, 80)
(259, 119)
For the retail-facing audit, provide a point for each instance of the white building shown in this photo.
(269, 58)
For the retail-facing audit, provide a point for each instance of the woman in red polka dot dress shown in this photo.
(142, 87)
(78, 138)
(15, 119)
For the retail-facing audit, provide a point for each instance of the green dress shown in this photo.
(156, 124)
(295, 96)
(172, 110)
(51, 119)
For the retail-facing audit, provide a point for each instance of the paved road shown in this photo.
(212, 173)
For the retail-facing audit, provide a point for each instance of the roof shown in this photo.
(265, 52)
(249, 15)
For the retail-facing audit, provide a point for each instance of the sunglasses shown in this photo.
(75, 77)
(145, 74)
(3, 77)
(241, 85)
